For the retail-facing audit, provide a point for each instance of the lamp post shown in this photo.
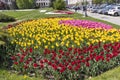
(85, 8)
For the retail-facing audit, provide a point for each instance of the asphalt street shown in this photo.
(112, 19)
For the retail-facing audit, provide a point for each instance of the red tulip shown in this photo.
(30, 59)
(41, 61)
(70, 67)
(60, 51)
(83, 61)
(25, 66)
(41, 66)
(45, 60)
(60, 56)
(27, 62)
(22, 56)
(21, 60)
(73, 63)
(87, 59)
(54, 66)
(31, 50)
(18, 54)
(49, 63)
(35, 65)
(107, 59)
(13, 57)
(16, 63)
(76, 68)
(81, 57)
(62, 69)
(70, 49)
(87, 64)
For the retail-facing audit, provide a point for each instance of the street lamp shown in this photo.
(85, 7)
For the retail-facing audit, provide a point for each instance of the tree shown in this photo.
(109, 1)
(52, 2)
(59, 5)
(97, 1)
(25, 4)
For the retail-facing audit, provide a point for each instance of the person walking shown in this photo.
(76, 9)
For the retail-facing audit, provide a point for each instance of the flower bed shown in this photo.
(64, 51)
(73, 63)
(86, 23)
(48, 33)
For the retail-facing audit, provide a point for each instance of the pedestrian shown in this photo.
(76, 9)
(85, 11)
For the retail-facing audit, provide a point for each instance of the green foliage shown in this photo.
(2, 35)
(52, 1)
(103, 1)
(113, 74)
(25, 4)
(7, 75)
(6, 18)
(97, 1)
(3, 40)
(59, 5)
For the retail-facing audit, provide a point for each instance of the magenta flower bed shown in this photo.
(86, 23)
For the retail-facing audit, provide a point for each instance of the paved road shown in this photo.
(112, 19)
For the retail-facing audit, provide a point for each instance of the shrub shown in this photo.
(59, 5)
(5, 18)
(3, 40)
(25, 4)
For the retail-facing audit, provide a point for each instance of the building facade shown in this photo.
(9, 4)
(71, 2)
(43, 3)
(38, 3)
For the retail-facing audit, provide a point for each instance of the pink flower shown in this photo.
(86, 24)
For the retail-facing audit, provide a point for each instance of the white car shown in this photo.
(114, 11)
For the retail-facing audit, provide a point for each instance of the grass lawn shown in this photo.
(113, 74)
(35, 14)
(6, 75)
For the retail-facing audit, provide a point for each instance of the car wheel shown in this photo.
(116, 14)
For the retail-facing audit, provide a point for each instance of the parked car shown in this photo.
(94, 10)
(114, 11)
(105, 9)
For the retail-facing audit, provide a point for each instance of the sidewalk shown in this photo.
(111, 19)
